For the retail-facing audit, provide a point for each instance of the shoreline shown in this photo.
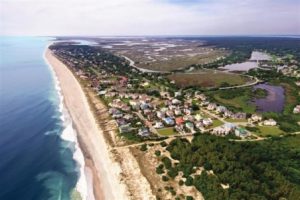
(70, 134)
(98, 160)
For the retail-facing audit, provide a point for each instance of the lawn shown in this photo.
(167, 131)
(216, 123)
(236, 120)
(266, 131)
(208, 79)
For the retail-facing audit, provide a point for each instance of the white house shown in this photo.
(270, 122)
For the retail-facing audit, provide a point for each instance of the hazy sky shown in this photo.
(149, 17)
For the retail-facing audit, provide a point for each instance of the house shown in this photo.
(169, 121)
(228, 113)
(198, 117)
(134, 104)
(188, 118)
(221, 109)
(187, 111)
(123, 81)
(145, 84)
(296, 110)
(176, 101)
(144, 132)
(102, 92)
(190, 126)
(177, 94)
(165, 94)
(170, 113)
(128, 117)
(211, 106)
(121, 121)
(207, 121)
(202, 97)
(270, 122)
(160, 114)
(204, 103)
(240, 132)
(158, 125)
(177, 112)
(199, 125)
(239, 115)
(220, 131)
(144, 106)
(179, 120)
(256, 118)
(125, 128)
(224, 130)
(179, 128)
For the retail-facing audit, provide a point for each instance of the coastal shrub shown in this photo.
(160, 169)
(173, 172)
(163, 144)
(189, 198)
(165, 178)
(181, 182)
(144, 147)
(157, 153)
(189, 181)
(246, 167)
(167, 162)
(173, 192)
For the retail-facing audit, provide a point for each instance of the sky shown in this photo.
(149, 17)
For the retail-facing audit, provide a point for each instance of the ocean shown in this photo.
(39, 154)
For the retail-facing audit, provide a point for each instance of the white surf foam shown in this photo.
(69, 134)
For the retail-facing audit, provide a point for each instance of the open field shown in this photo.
(266, 131)
(181, 61)
(208, 79)
(166, 131)
(216, 123)
(236, 120)
(240, 103)
(162, 54)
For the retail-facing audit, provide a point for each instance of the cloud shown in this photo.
(148, 17)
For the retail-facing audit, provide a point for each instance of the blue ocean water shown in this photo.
(35, 162)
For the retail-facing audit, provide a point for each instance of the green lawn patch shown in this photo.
(216, 123)
(167, 131)
(269, 131)
(236, 120)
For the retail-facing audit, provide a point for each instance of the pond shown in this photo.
(273, 102)
(256, 56)
(245, 66)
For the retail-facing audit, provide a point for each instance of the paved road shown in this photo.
(152, 129)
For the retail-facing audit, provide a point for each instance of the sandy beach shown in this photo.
(105, 171)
